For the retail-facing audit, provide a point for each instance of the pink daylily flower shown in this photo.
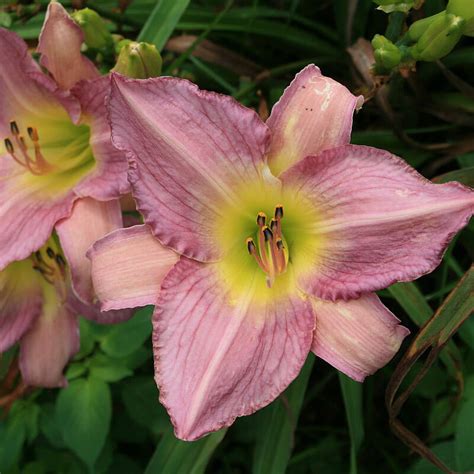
(262, 242)
(39, 310)
(58, 167)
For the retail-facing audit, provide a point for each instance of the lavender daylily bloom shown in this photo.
(57, 164)
(262, 242)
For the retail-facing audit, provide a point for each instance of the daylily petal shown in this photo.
(216, 357)
(60, 43)
(25, 91)
(313, 114)
(90, 220)
(189, 148)
(379, 220)
(28, 214)
(128, 266)
(109, 178)
(20, 302)
(358, 337)
(49, 344)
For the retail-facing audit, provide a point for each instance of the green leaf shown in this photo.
(108, 369)
(175, 456)
(124, 338)
(20, 426)
(276, 425)
(83, 412)
(352, 395)
(162, 21)
(463, 447)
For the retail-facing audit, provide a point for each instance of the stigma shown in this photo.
(18, 149)
(269, 252)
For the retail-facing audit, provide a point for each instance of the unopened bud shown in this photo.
(387, 55)
(96, 34)
(464, 9)
(439, 39)
(138, 60)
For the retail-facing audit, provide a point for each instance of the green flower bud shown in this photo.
(464, 9)
(387, 55)
(439, 39)
(389, 6)
(418, 28)
(96, 34)
(138, 60)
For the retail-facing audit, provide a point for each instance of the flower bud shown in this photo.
(387, 55)
(96, 34)
(439, 38)
(389, 6)
(138, 60)
(464, 9)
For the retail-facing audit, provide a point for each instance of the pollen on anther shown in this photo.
(9, 145)
(14, 128)
(278, 211)
(267, 233)
(261, 219)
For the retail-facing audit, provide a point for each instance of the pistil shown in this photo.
(270, 255)
(37, 165)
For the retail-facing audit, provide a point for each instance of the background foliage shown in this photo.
(109, 420)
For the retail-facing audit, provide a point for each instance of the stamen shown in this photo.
(270, 255)
(36, 166)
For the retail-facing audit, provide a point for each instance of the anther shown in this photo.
(251, 246)
(267, 233)
(278, 211)
(9, 146)
(60, 260)
(50, 252)
(279, 244)
(261, 219)
(33, 134)
(273, 224)
(14, 128)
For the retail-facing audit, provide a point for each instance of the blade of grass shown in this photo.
(162, 22)
(352, 395)
(175, 456)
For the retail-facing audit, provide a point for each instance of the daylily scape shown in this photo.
(58, 172)
(262, 241)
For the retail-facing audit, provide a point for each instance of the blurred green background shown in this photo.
(109, 420)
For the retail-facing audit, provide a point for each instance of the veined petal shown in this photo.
(20, 301)
(358, 337)
(189, 149)
(128, 266)
(108, 180)
(49, 344)
(217, 358)
(28, 214)
(379, 220)
(314, 114)
(59, 44)
(89, 221)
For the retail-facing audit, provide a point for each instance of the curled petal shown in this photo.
(379, 220)
(128, 266)
(89, 221)
(59, 44)
(189, 148)
(49, 344)
(314, 114)
(20, 302)
(108, 180)
(358, 337)
(217, 357)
